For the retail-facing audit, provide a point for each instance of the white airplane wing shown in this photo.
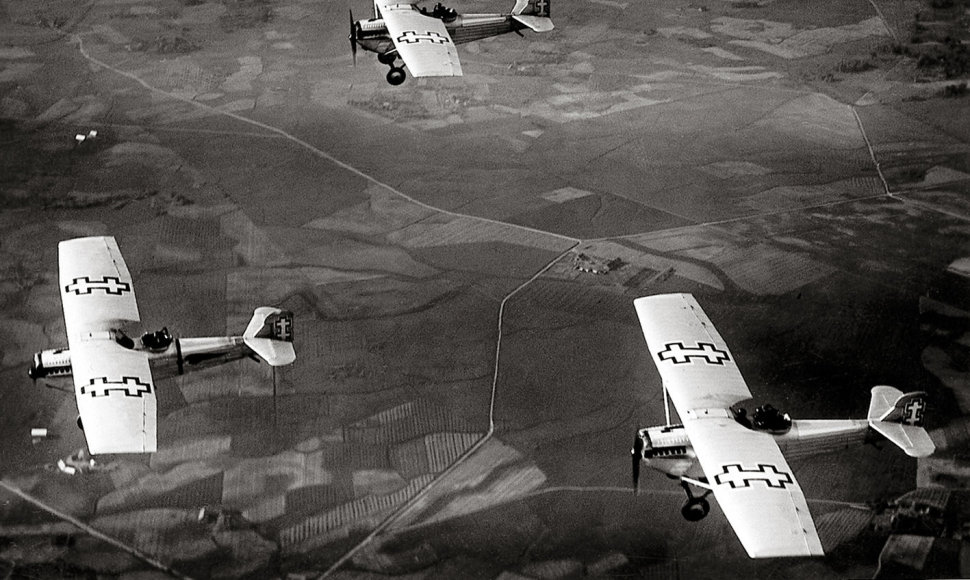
(96, 290)
(754, 487)
(698, 370)
(746, 470)
(422, 42)
(113, 384)
(115, 396)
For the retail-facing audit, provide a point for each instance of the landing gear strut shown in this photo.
(396, 75)
(695, 508)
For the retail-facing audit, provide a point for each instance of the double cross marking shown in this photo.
(284, 328)
(128, 386)
(706, 352)
(413, 36)
(736, 476)
(109, 284)
(914, 412)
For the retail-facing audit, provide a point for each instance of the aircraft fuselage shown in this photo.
(181, 356)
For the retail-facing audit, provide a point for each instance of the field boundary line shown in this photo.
(408, 505)
(737, 219)
(872, 152)
(885, 23)
(900, 195)
(94, 532)
(304, 144)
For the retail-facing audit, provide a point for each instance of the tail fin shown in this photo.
(533, 14)
(270, 335)
(531, 8)
(899, 418)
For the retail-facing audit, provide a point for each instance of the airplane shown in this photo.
(425, 39)
(741, 459)
(112, 372)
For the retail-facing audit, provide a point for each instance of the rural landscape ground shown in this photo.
(466, 389)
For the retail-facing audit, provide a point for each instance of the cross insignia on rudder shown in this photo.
(679, 354)
(735, 476)
(413, 36)
(283, 327)
(129, 386)
(914, 412)
(541, 6)
(110, 284)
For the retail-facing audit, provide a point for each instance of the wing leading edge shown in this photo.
(422, 42)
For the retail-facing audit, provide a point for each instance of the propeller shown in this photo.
(353, 36)
(637, 455)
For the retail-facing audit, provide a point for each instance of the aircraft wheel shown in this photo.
(79, 424)
(385, 58)
(396, 76)
(695, 510)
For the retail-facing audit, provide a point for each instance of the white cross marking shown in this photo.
(914, 412)
(283, 325)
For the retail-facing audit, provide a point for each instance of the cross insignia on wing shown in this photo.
(678, 353)
(736, 476)
(129, 386)
(413, 36)
(109, 284)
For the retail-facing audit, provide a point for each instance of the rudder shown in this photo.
(531, 8)
(272, 323)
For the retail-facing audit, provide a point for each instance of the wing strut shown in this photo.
(666, 403)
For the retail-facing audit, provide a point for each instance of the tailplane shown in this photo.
(899, 418)
(533, 14)
(270, 335)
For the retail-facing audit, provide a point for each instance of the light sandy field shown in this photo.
(465, 392)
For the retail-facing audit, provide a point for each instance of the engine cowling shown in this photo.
(667, 449)
(54, 362)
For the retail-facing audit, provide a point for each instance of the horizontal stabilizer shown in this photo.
(270, 335)
(914, 441)
(275, 352)
(536, 23)
(899, 418)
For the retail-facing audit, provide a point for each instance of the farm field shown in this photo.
(461, 256)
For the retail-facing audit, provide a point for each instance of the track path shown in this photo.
(92, 531)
